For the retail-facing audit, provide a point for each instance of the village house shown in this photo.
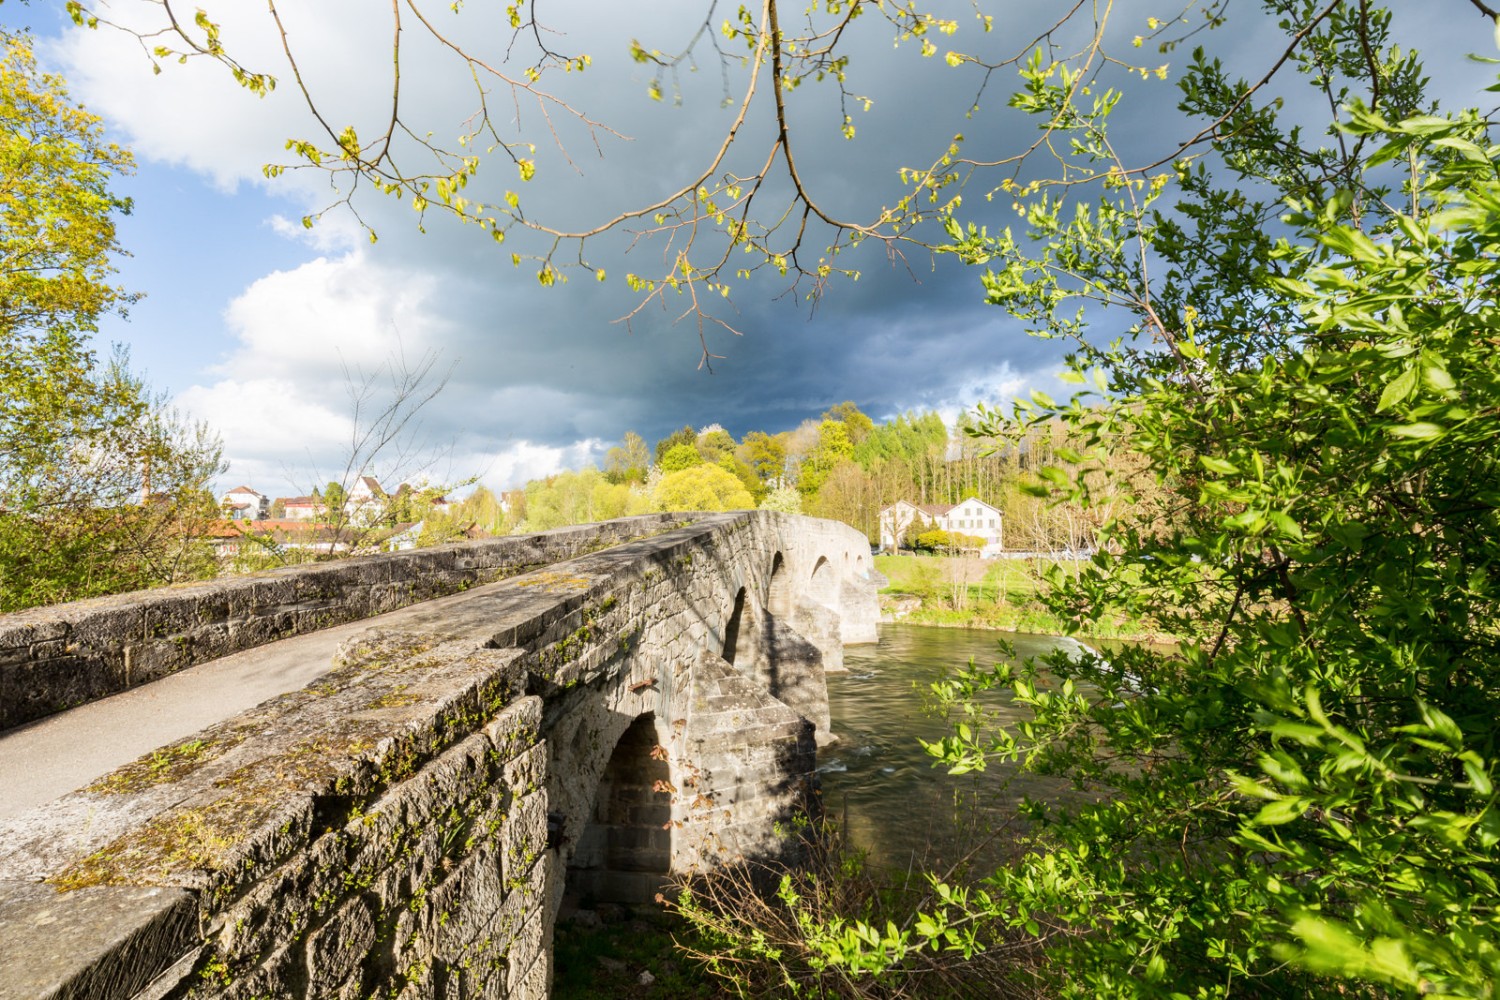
(971, 517)
(302, 508)
(244, 504)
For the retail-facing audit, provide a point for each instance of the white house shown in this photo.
(244, 504)
(968, 517)
(366, 490)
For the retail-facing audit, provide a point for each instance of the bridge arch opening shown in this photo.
(625, 851)
(779, 595)
(823, 585)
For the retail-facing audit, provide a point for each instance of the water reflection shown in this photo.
(879, 781)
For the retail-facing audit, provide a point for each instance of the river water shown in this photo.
(877, 780)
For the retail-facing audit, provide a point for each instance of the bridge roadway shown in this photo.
(48, 758)
(400, 804)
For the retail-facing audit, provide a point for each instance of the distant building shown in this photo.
(366, 490)
(244, 504)
(366, 501)
(969, 517)
(302, 508)
(231, 538)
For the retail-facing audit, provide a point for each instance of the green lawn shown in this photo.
(1003, 597)
(1004, 580)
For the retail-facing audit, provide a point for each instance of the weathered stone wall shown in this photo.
(404, 825)
(58, 657)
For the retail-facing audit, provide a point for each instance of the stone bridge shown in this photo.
(257, 788)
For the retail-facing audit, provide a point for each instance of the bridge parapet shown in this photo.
(59, 657)
(413, 820)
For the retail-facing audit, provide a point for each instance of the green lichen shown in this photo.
(397, 697)
(179, 841)
(172, 762)
(557, 583)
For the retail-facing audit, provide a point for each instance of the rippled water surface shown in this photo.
(878, 780)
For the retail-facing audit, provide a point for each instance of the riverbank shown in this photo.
(997, 594)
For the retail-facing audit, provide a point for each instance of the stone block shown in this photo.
(534, 983)
(523, 838)
(100, 943)
(337, 949)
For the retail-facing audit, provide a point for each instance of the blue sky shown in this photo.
(253, 324)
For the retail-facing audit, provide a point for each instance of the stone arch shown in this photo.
(625, 850)
(823, 584)
(781, 592)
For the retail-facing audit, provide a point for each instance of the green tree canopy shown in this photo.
(57, 212)
(679, 457)
(103, 487)
(833, 447)
(686, 435)
(856, 424)
(628, 461)
(702, 487)
(766, 454)
(714, 443)
(785, 499)
(1304, 788)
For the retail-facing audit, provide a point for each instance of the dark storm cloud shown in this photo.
(554, 366)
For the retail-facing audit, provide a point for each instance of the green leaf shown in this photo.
(1284, 524)
(1280, 811)
(1438, 379)
(1419, 431)
(1218, 465)
(1398, 389)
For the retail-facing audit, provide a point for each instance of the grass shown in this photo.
(1004, 580)
(1003, 596)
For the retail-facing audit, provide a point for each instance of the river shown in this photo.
(879, 782)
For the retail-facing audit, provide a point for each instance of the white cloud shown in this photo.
(512, 466)
(333, 233)
(194, 114)
(303, 340)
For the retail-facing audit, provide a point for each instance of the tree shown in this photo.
(679, 457)
(103, 487)
(785, 499)
(334, 497)
(731, 463)
(484, 510)
(702, 487)
(847, 494)
(57, 237)
(833, 447)
(855, 423)
(714, 443)
(1302, 791)
(766, 455)
(386, 444)
(686, 436)
(628, 462)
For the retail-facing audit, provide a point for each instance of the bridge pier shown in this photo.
(409, 817)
